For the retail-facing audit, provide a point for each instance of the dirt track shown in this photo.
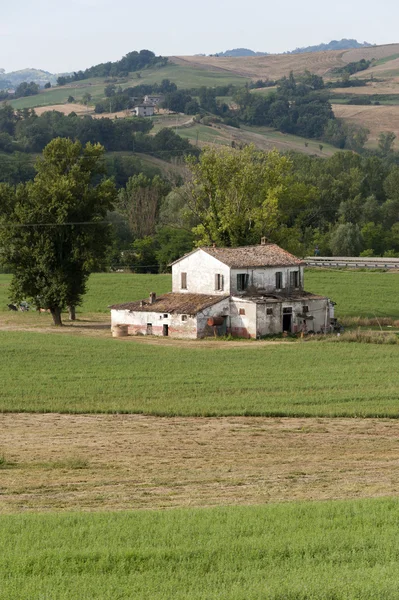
(103, 462)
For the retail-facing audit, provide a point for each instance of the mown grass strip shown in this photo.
(303, 551)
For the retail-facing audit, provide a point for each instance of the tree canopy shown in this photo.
(235, 194)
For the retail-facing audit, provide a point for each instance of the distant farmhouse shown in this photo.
(249, 292)
(144, 110)
(155, 100)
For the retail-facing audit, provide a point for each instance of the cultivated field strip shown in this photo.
(123, 462)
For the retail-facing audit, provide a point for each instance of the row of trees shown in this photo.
(70, 219)
(345, 205)
(24, 131)
(131, 62)
(22, 90)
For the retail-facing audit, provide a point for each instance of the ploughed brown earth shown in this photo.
(119, 462)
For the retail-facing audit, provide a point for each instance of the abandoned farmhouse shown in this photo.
(249, 292)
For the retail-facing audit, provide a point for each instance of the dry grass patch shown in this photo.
(275, 66)
(375, 118)
(99, 462)
(272, 66)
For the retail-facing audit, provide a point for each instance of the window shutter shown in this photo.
(216, 281)
(222, 282)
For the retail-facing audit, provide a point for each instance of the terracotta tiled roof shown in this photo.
(266, 255)
(189, 304)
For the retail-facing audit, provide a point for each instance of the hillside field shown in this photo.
(298, 551)
(275, 66)
(184, 76)
(374, 118)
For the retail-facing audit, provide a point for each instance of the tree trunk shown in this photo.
(72, 313)
(56, 314)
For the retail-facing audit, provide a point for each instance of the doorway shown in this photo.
(149, 328)
(165, 330)
(287, 319)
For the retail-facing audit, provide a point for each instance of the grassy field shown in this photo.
(185, 76)
(357, 293)
(53, 462)
(205, 134)
(304, 551)
(67, 373)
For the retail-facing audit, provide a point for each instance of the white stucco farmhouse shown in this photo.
(249, 292)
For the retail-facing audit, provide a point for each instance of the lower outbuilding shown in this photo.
(174, 315)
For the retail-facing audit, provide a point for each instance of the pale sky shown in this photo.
(69, 35)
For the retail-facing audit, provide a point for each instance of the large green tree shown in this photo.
(235, 195)
(53, 230)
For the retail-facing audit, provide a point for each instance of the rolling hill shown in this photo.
(275, 66)
(37, 75)
(381, 87)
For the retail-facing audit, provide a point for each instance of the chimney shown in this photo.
(263, 241)
(152, 297)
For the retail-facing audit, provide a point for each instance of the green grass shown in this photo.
(107, 288)
(300, 551)
(188, 76)
(60, 96)
(111, 288)
(66, 373)
(295, 141)
(204, 134)
(357, 293)
(382, 61)
(183, 76)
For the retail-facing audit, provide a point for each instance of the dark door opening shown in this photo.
(149, 328)
(165, 330)
(287, 321)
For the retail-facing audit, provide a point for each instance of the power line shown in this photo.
(8, 225)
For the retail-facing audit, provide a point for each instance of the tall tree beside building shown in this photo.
(235, 195)
(53, 230)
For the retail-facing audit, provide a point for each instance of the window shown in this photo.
(288, 310)
(294, 279)
(184, 317)
(305, 309)
(165, 316)
(242, 281)
(242, 311)
(269, 311)
(183, 282)
(279, 280)
(218, 282)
